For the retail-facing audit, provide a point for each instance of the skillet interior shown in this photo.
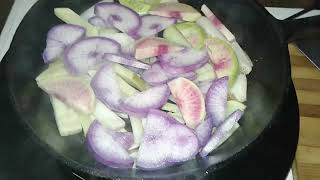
(267, 85)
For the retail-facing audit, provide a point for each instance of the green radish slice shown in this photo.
(205, 73)
(85, 123)
(170, 107)
(55, 70)
(138, 6)
(177, 116)
(239, 89)
(233, 105)
(125, 88)
(194, 34)
(245, 62)
(209, 28)
(173, 35)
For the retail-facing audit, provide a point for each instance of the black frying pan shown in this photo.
(263, 38)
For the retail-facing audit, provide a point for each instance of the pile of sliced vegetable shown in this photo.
(182, 92)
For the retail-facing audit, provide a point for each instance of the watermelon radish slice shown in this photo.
(245, 62)
(153, 98)
(217, 23)
(220, 133)
(151, 25)
(205, 73)
(189, 100)
(204, 131)
(151, 47)
(224, 59)
(183, 61)
(194, 34)
(176, 10)
(89, 13)
(173, 35)
(126, 42)
(87, 53)
(209, 28)
(60, 37)
(216, 100)
(121, 17)
(105, 149)
(239, 89)
(165, 142)
(73, 91)
(233, 106)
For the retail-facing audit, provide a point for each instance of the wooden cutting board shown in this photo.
(306, 78)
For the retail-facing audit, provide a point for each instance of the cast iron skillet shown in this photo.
(263, 38)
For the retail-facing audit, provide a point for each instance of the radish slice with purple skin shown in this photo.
(105, 149)
(183, 61)
(59, 38)
(220, 133)
(126, 42)
(151, 25)
(204, 86)
(87, 53)
(99, 22)
(142, 102)
(165, 142)
(216, 100)
(121, 17)
(125, 139)
(89, 13)
(204, 131)
(125, 60)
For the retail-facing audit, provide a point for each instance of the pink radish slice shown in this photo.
(59, 38)
(106, 87)
(152, 98)
(125, 139)
(126, 60)
(216, 100)
(87, 53)
(189, 100)
(151, 25)
(105, 149)
(184, 61)
(204, 131)
(121, 17)
(221, 132)
(151, 47)
(165, 142)
(99, 22)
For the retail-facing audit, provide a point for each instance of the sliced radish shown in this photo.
(125, 88)
(176, 10)
(245, 62)
(173, 35)
(209, 28)
(151, 25)
(89, 13)
(126, 42)
(217, 23)
(106, 87)
(177, 116)
(184, 61)
(229, 134)
(204, 131)
(223, 58)
(137, 5)
(189, 100)
(125, 60)
(170, 107)
(55, 70)
(59, 38)
(105, 149)
(152, 98)
(99, 22)
(216, 100)
(220, 133)
(239, 89)
(151, 47)
(121, 17)
(137, 129)
(205, 73)
(87, 53)
(165, 142)
(125, 139)
(233, 106)
(204, 86)
(194, 34)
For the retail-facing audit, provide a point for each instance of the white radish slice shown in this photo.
(59, 38)
(217, 23)
(86, 123)
(184, 61)
(89, 13)
(233, 105)
(142, 102)
(216, 100)
(229, 134)
(151, 47)
(176, 10)
(121, 17)
(204, 131)
(220, 133)
(165, 142)
(151, 25)
(108, 118)
(66, 118)
(88, 53)
(106, 87)
(70, 17)
(239, 89)
(125, 60)
(105, 149)
(189, 100)
(209, 28)
(55, 70)
(137, 129)
(126, 42)
(245, 62)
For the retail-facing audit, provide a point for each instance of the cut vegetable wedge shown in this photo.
(204, 131)
(209, 28)
(138, 6)
(137, 129)
(173, 35)
(239, 89)
(245, 62)
(233, 106)
(89, 13)
(194, 34)
(151, 25)
(126, 42)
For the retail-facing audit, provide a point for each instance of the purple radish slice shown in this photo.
(99, 22)
(106, 87)
(183, 61)
(125, 60)
(59, 38)
(125, 139)
(220, 133)
(151, 47)
(165, 142)
(89, 13)
(126, 42)
(204, 86)
(142, 102)
(105, 149)
(189, 99)
(204, 131)
(88, 53)
(121, 17)
(151, 25)
(216, 100)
